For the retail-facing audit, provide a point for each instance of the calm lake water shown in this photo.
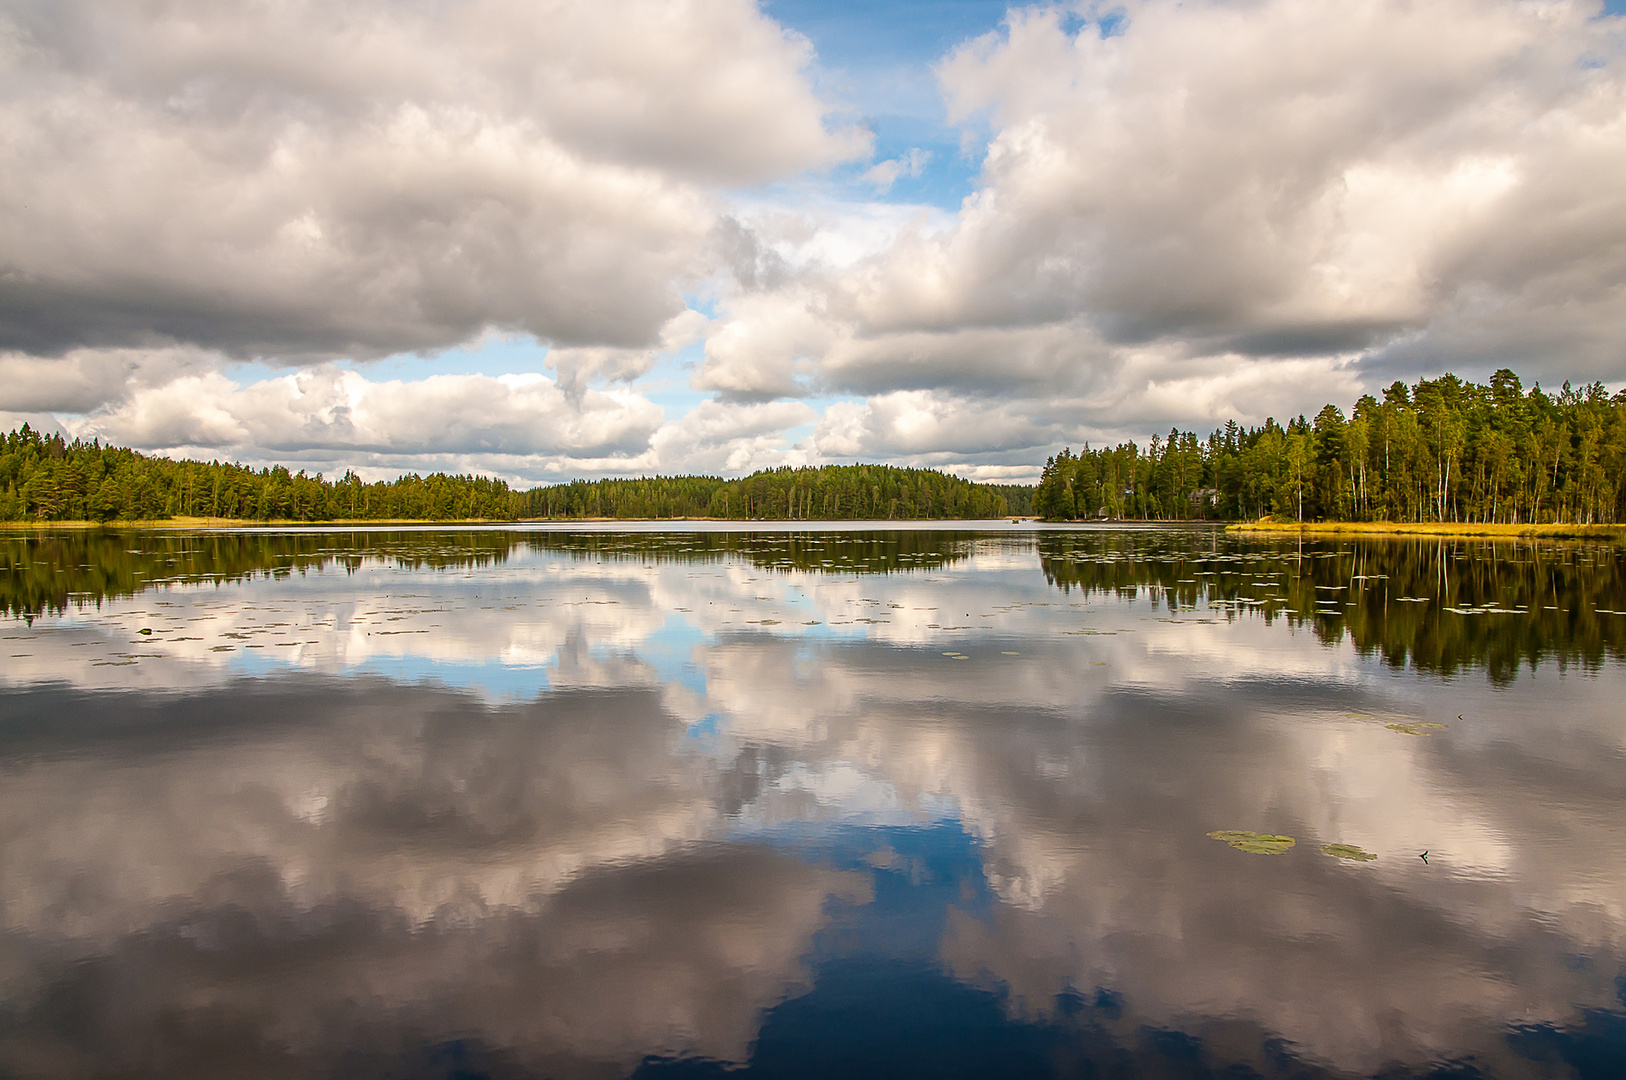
(935, 802)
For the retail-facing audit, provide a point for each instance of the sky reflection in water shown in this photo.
(594, 803)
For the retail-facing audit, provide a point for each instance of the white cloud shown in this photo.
(1213, 211)
(316, 180)
(1217, 211)
(767, 345)
(731, 438)
(883, 174)
(1281, 178)
(328, 408)
(922, 427)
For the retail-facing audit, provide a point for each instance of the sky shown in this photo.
(549, 239)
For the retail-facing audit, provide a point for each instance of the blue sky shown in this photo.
(879, 58)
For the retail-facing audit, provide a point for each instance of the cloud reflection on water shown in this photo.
(672, 834)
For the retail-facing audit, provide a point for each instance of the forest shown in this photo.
(827, 492)
(1442, 449)
(47, 478)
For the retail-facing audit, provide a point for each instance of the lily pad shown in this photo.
(1347, 851)
(1412, 728)
(1254, 843)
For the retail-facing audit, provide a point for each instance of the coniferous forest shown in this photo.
(1441, 450)
(46, 478)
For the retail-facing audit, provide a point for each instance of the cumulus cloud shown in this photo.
(330, 408)
(1286, 179)
(916, 422)
(768, 345)
(1219, 210)
(732, 437)
(84, 379)
(579, 365)
(1184, 212)
(312, 180)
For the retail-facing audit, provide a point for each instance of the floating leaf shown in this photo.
(1347, 851)
(1412, 728)
(1254, 843)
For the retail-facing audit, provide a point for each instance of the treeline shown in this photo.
(1442, 450)
(47, 478)
(827, 492)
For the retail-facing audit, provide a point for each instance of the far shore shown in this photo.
(239, 523)
(254, 523)
(1431, 528)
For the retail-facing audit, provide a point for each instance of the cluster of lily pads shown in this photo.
(1418, 728)
(1269, 844)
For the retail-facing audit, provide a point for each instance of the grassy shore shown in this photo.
(1431, 528)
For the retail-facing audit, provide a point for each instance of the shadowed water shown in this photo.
(809, 803)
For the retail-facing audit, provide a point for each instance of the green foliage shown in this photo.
(824, 493)
(45, 478)
(1442, 450)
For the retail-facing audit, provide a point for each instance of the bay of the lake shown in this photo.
(876, 800)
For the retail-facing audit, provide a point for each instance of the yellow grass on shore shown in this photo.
(1431, 528)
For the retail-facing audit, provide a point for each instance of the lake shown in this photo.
(687, 801)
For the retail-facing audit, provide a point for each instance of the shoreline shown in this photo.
(240, 523)
(339, 523)
(1441, 529)
(1481, 530)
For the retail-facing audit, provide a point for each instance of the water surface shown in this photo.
(805, 803)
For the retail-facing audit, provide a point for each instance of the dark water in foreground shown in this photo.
(515, 804)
